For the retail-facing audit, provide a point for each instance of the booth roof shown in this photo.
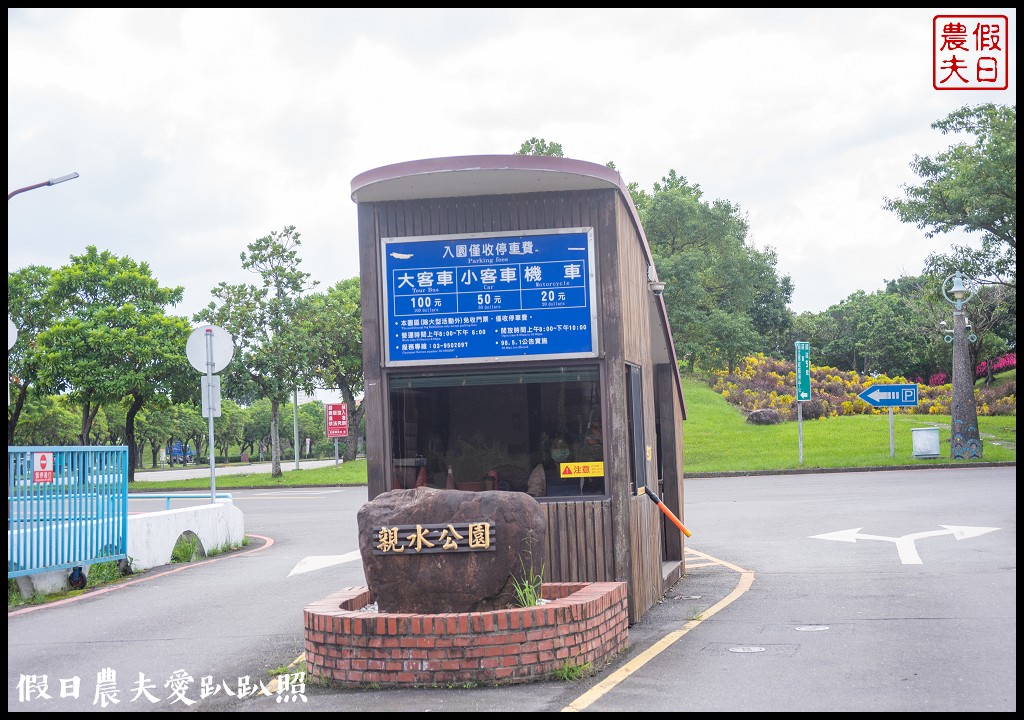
(469, 175)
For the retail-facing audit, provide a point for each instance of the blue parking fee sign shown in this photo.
(890, 395)
(494, 296)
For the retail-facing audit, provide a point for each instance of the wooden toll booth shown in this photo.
(515, 338)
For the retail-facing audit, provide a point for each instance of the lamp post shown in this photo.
(12, 332)
(965, 440)
(47, 183)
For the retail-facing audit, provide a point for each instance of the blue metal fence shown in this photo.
(66, 507)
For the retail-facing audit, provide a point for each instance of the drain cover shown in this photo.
(746, 649)
(811, 628)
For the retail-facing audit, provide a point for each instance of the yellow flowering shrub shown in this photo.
(762, 382)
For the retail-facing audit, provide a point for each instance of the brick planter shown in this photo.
(347, 646)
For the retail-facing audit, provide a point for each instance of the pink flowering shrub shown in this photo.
(1006, 362)
(763, 382)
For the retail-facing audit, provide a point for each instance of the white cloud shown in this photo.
(198, 131)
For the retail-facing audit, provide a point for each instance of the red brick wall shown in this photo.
(349, 647)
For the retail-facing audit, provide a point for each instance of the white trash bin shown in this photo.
(926, 442)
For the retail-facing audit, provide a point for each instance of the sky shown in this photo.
(197, 131)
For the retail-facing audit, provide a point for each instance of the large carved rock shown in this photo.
(406, 574)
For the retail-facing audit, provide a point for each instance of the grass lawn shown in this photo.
(352, 472)
(717, 438)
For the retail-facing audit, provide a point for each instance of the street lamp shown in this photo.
(12, 332)
(47, 183)
(965, 440)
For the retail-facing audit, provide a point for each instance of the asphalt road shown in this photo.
(867, 591)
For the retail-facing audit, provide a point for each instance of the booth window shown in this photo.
(635, 423)
(538, 432)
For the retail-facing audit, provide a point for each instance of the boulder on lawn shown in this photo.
(764, 416)
(441, 551)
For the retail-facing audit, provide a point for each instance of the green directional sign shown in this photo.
(803, 371)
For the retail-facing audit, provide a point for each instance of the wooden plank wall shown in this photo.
(579, 541)
(646, 580)
(375, 394)
(646, 584)
(492, 213)
(580, 547)
(671, 442)
(636, 308)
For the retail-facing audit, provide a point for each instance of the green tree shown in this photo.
(112, 339)
(332, 324)
(271, 357)
(972, 186)
(47, 420)
(256, 430)
(31, 313)
(769, 306)
(154, 425)
(924, 317)
(900, 330)
(887, 337)
(540, 146)
(990, 311)
(98, 431)
(861, 333)
(188, 426)
(227, 429)
(312, 425)
(117, 415)
(724, 297)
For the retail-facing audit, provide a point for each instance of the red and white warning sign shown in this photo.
(337, 420)
(42, 467)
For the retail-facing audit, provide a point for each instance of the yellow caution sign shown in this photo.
(581, 469)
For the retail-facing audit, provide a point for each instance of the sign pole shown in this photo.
(892, 436)
(800, 429)
(209, 349)
(336, 451)
(209, 402)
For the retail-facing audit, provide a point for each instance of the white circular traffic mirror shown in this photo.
(222, 348)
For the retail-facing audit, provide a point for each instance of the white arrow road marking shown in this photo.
(318, 562)
(905, 545)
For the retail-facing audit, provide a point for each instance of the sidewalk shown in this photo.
(201, 471)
